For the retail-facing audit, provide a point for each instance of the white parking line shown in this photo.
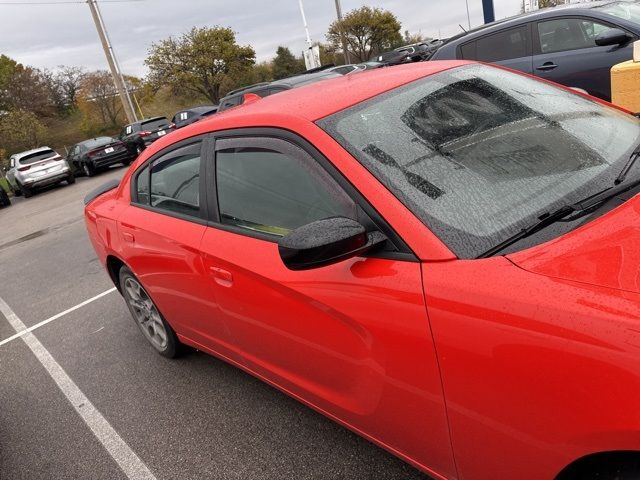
(55, 317)
(133, 467)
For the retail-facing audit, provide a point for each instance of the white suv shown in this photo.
(37, 168)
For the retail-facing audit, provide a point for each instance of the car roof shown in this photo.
(145, 120)
(304, 78)
(575, 8)
(201, 109)
(18, 156)
(316, 101)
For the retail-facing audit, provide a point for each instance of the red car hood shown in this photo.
(603, 252)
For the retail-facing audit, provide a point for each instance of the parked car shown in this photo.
(37, 168)
(441, 256)
(416, 52)
(5, 201)
(346, 69)
(236, 97)
(138, 136)
(575, 45)
(191, 115)
(95, 154)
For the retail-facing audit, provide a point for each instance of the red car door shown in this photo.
(161, 233)
(351, 339)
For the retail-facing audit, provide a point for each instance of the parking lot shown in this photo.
(83, 394)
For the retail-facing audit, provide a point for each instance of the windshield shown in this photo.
(478, 153)
(155, 124)
(36, 157)
(97, 142)
(626, 10)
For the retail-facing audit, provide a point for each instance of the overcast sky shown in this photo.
(52, 35)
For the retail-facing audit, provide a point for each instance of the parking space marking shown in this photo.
(55, 317)
(132, 466)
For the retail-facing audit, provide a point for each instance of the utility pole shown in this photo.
(118, 79)
(347, 60)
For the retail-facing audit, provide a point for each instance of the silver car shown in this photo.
(37, 168)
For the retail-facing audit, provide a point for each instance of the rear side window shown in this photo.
(504, 45)
(568, 34)
(274, 187)
(172, 182)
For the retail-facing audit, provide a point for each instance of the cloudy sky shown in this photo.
(64, 34)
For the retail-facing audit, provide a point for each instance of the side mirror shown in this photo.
(613, 36)
(325, 242)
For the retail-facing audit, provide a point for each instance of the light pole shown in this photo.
(118, 79)
(468, 16)
(343, 39)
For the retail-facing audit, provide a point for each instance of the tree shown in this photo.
(368, 31)
(99, 102)
(285, 64)
(550, 3)
(21, 130)
(200, 61)
(412, 38)
(7, 70)
(70, 80)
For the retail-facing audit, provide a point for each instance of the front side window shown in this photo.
(478, 153)
(504, 45)
(172, 182)
(568, 34)
(270, 186)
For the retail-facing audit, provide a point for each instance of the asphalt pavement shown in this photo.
(192, 418)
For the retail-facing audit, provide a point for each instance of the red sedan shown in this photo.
(444, 257)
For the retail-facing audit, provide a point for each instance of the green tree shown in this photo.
(285, 64)
(368, 32)
(200, 61)
(21, 130)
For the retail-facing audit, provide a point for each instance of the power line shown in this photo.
(67, 2)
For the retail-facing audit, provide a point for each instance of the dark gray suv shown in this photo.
(575, 45)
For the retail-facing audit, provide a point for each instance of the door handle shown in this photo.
(128, 237)
(547, 66)
(222, 277)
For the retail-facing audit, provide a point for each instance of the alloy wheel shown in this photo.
(146, 314)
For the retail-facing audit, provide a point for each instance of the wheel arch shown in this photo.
(114, 264)
(602, 463)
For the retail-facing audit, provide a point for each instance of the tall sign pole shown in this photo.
(343, 39)
(108, 51)
(487, 9)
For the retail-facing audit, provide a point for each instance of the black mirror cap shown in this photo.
(325, 242)
(613, 36)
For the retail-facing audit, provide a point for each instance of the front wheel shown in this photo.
(5, 201)
(147, 316)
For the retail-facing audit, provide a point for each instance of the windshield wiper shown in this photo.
(627, 167)
(581, 208)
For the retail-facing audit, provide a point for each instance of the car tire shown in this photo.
(26, 192)
(88, 169)
(150, 321)
(5, 201)
(16, 191)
